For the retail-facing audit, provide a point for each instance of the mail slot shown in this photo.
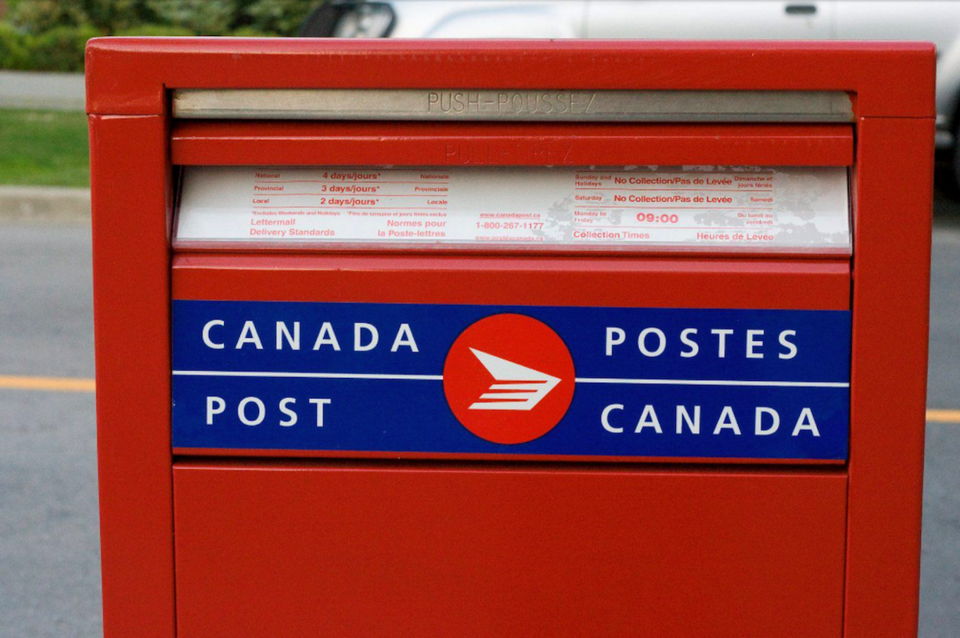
(510, 338)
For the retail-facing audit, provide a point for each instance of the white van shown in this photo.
(936, 21)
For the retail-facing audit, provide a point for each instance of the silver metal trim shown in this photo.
(513, 105)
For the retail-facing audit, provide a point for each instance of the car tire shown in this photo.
(955, 165)
(954, 150)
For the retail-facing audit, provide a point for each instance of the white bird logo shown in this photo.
(515, 387)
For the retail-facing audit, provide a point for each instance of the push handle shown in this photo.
(801, 9)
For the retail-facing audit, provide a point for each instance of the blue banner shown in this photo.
(526, 380)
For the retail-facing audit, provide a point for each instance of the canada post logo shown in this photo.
(540, 381)
(509, 378)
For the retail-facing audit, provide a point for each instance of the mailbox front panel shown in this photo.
(278, 551)
(512, 358)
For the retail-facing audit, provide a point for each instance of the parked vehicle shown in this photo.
(937, 21)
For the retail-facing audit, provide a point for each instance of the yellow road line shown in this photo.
(943, 416)
(72, 384)
(53, 384)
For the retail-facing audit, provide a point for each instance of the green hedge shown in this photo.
(151, 30)
(60, 48)
(57, 49)
(14, 50)
(50, 35)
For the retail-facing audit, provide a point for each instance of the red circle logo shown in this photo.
(509, 378)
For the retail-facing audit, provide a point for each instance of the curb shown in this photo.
(42, 90)
(44, 204)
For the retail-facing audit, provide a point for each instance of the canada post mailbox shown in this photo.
(510, 338)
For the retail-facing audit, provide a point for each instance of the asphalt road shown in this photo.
(49, 559)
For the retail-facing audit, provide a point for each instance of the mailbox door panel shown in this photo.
(230, 396)
(278, 550)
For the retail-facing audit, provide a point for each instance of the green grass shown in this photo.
(43, 148)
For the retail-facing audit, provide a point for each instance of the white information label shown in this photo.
(762, 208)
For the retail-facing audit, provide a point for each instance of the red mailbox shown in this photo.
(510, 338)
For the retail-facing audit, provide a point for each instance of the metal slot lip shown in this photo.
(514, 105)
